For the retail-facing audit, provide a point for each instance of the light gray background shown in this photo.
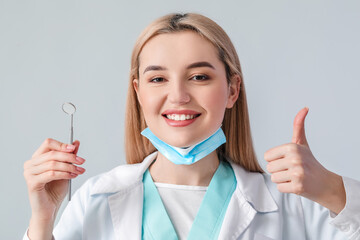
(293, 54)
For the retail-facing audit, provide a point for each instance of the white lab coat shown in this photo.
(109, 206)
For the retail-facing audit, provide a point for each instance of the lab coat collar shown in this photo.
(254, 189)
(123, 178)
(250, 196)
(124, 188)
(250, 184)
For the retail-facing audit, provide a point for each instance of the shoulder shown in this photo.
(120, 178)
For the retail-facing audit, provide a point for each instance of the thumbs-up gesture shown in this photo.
(295, 170)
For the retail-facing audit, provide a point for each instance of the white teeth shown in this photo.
(181, 117)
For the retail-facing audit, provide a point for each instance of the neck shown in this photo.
(198, 174)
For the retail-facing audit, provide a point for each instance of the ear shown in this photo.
(234, 90)
(136, 88)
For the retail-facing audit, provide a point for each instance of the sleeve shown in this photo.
(322, 224)
(25, 237)
(70, 224)
(348, 220)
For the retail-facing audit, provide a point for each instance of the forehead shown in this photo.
(178, 49)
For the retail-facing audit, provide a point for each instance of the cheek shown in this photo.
(149, 101)
(216, 101)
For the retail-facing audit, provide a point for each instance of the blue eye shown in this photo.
(156, 80)
(200, 77)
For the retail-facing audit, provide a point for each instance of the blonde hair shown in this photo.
(236, 125)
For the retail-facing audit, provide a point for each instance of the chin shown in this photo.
(182, 143)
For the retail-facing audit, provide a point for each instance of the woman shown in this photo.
(192, 171)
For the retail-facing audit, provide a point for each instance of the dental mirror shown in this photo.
(70, 109)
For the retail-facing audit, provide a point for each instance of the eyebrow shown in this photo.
(193, 65)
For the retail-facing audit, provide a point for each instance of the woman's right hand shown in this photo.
(47, 174)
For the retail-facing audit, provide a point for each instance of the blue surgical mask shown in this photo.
(190, 154)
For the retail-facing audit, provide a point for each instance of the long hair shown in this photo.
(236, 125)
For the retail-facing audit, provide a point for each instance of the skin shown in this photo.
(292, 166)
(295, 170)
(180, 88)
(47, 174)
(174, 85)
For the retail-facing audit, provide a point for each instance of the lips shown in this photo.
(180, 118)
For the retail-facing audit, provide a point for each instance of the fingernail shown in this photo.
(80, 169)
(73, 174)
(70, 147)
(80, 160)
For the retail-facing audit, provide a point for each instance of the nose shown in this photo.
(178, 93)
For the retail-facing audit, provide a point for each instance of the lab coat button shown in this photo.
(344, 228)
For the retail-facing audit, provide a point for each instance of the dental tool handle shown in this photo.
(71, 141)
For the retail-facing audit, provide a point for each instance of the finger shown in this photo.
(281, 177)
(299, 136)
(52, 144)
(291, 187)
(56, 166)
(278, 165)
(285, 187)
(276, 152)
(50, 176)
(54, 156)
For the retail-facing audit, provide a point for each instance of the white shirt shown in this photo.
(182, 203)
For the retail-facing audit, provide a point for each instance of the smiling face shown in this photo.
(182, 88)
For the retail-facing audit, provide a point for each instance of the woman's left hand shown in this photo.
(295, 170)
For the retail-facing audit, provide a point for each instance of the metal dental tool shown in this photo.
(70, 109)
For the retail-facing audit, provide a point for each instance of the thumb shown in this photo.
(76, 143)
(299, 136)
